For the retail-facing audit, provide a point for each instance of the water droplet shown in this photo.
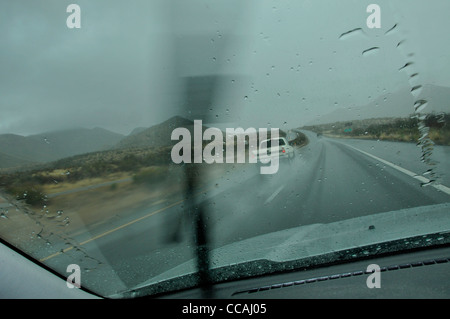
(416, 90)
(406, 65)
(370, 51)
(425, 184)
(420, 105)
(351, 33)
(400, 43)
(391, 29)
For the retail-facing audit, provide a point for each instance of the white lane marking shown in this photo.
(274, 194)
(425, 180)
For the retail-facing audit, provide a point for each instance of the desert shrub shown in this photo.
(129, 163)
(151, 175)
(31, 194)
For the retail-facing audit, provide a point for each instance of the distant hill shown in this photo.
(78, 141)
(24, 148)
(160, 135)
(389, 129)
(16, 149)
(396, 104)
(157, 135)
(8, 161)
(137, 130)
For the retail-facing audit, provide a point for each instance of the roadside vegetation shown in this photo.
(300, 140)
(149, 167)
(390, 129)
(32, 186)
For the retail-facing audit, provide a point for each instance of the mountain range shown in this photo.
(157, 135)
(396, 104)
(17, 150)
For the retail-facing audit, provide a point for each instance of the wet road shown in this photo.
(330, 180)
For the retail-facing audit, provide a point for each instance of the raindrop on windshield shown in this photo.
(406, 65)
(416, 90)
(370, 51)
(351, 33)
(400, 43)
(420, 105)
(391, 29)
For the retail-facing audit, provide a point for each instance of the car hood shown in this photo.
(315, 244)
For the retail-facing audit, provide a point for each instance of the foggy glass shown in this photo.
(89, 103)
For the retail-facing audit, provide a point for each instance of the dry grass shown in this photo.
(66, 186)
(88, 212)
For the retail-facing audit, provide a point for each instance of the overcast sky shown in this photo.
(279, 63)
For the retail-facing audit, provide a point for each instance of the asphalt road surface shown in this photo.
(329, 180)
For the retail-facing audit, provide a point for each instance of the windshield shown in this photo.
(130, 134)
(268, 143)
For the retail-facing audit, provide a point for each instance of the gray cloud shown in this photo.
(121, 69)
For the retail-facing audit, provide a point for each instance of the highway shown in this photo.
(330, 180)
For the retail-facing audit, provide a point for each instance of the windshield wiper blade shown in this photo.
(201, 233)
